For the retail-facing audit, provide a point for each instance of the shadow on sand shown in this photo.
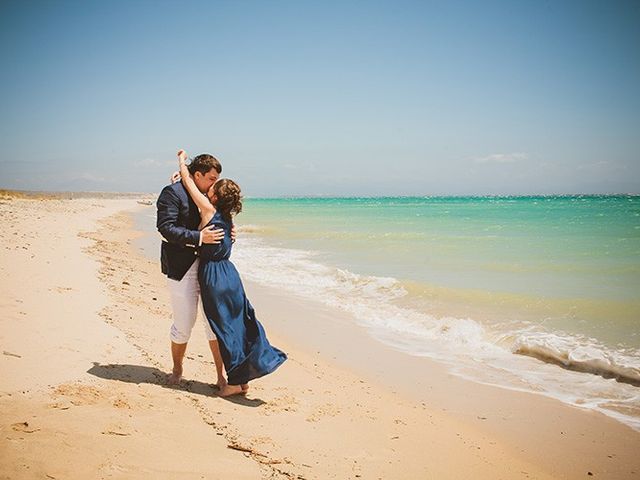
(141, 374)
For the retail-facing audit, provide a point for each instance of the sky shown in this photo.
(323, 98)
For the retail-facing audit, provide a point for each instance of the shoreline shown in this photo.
(370, 359)
(338, 384)
(470, 344)
(522, 419)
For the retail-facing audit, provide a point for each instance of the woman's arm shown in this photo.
(203, 203)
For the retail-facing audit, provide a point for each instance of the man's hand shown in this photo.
(212, 235)
(182, 156)
(175, 177)
(233, 233)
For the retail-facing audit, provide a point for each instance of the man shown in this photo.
(177, 221)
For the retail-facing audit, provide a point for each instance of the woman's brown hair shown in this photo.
(228, 198)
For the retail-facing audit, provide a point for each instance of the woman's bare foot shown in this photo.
(229, 390)
(174, 377)
(221, 383)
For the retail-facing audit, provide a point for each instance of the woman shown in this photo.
(246, 352)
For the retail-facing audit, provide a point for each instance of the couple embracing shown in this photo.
(195, 219)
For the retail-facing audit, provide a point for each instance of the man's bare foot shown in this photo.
(245, 387)
(174, 377)
(229, 390)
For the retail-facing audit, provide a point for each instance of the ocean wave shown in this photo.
(523, 359)
(369, 299)
(578, 354)
(248, 228)
(296, 271)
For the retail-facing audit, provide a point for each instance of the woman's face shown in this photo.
(211, 194)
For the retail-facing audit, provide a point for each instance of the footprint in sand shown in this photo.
(118, 430)
(24, 427)
(79, 394)
(260, 441)
(328, 409)
(120, 402)
(61, 289)
(284, 403)
(111, 469)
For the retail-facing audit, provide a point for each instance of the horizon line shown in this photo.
(8, 191)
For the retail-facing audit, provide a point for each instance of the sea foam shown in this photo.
(579, 354)
(521, 359)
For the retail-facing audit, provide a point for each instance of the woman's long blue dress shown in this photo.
(244, 347)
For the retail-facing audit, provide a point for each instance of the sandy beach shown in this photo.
(85, 351)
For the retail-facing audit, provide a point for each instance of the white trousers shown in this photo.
(185, 297)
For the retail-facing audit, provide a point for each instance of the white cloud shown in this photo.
(502, 158)
(596, 165)
(88, 177)
(301, 165)
(152, 162)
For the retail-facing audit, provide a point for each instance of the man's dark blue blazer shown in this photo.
(177, 221)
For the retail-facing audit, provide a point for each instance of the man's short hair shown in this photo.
(204, 163)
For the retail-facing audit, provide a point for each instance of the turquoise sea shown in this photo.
(535, 293)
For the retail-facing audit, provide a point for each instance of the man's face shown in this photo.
(205, 181)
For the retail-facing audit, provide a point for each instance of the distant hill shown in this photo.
(10, 194)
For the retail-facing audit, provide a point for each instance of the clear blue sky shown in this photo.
(323, 98)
